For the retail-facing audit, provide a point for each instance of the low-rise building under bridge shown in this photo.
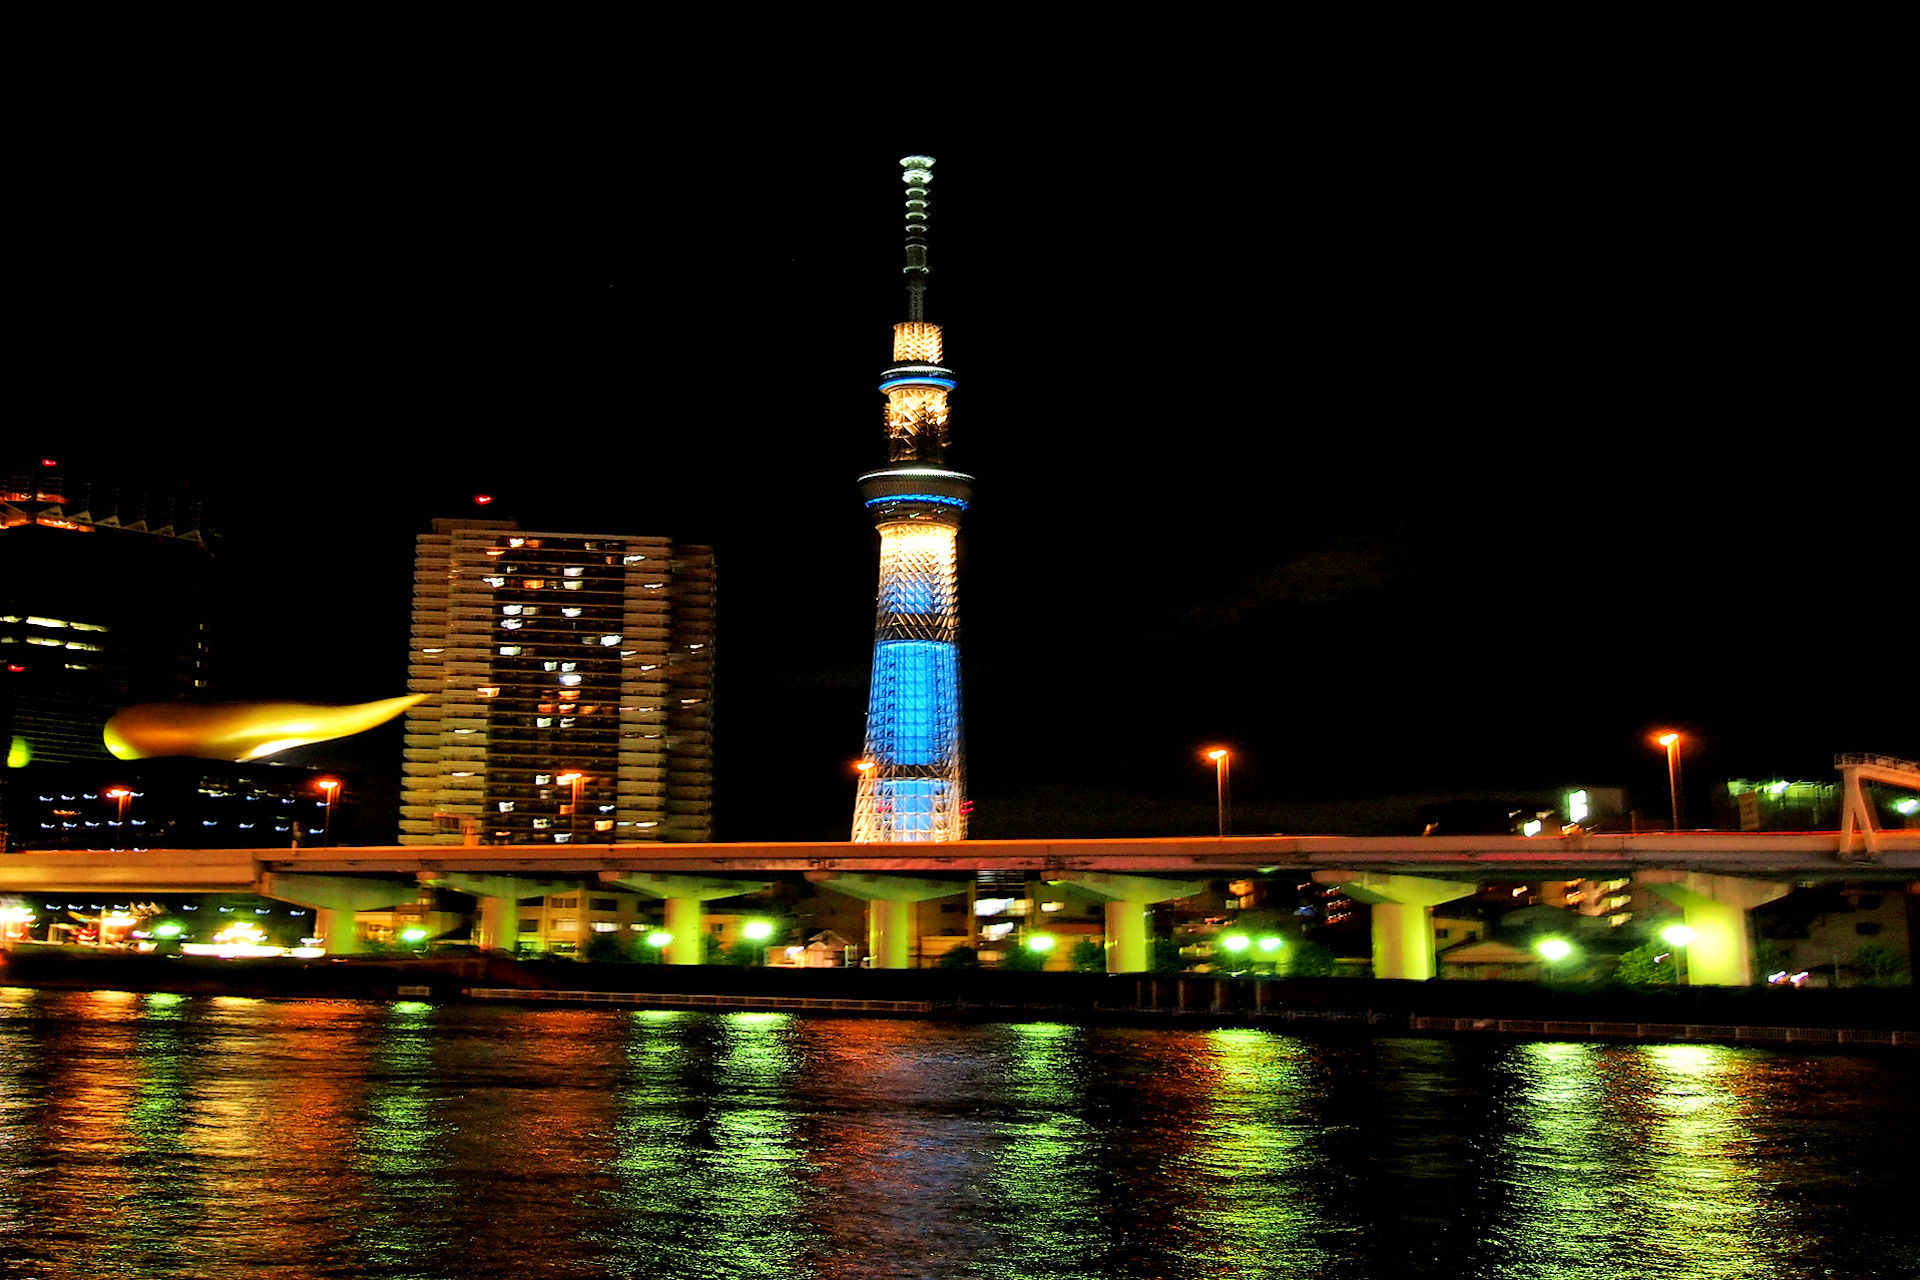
(1714, 878)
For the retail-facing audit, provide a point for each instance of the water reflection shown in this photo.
(187, 1136)
(704, 1155)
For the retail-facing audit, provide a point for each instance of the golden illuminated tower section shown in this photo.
(913, 775)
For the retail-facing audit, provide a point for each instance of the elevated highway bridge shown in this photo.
(1715, 878)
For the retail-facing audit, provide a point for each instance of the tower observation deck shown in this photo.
(913, 775)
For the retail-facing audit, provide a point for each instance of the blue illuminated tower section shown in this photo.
(913, 775)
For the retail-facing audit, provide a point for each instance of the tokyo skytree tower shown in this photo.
(913, 776)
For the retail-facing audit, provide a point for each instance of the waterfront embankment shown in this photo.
(1886, 1015)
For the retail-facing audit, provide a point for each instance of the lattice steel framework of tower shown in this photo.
(913, 775)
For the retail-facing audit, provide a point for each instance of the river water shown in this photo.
(217, 1137)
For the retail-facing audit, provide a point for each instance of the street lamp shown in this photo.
(1671, 741)
(576, 780)
(1679, 937)
(1553, 951)
(1221, 807)
(120, 795)
(332, 787)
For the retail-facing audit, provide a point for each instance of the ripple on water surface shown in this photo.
(173, 1136)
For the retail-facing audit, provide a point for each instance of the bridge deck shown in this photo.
(1813, 855)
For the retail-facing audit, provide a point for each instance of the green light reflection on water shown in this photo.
(1154, 1154)
(1259, 1143)
(1041, 1187)
(1631, 1161)
(705, 1157)
(400, 1147)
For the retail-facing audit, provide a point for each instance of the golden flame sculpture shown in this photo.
(239, 730)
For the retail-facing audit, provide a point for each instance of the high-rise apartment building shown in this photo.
(570, 688)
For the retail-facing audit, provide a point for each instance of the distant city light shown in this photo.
(482, 499)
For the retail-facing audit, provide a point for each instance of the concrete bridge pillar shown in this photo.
(498, 926)
(1126, 913)
(890, 910)
(335, 900)
(335, 929)
(1402, 908)
(682, 896)
(1716, 909)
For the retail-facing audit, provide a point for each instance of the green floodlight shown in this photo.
(1554, 949)
(1678, 935)
(167, 931)
(1906, 808)
(1040, 942)
(757, 930)
(1270, 943)
(658, 939)
(1236, 942)
(415, 934)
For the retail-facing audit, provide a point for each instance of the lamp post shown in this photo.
(1553, 951)
(1678, 936)
(120, 795)
(574, 779)
(332, 787)
(1671, 741)
(1221, 808)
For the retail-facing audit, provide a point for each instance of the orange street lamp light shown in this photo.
(576, 780)
(122, 795)
(1222, 809)
(332, 787)
(1671, 741)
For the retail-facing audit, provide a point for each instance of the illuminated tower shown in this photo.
(913, 777)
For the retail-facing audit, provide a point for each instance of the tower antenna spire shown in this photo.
(912, 774)
(918, 175)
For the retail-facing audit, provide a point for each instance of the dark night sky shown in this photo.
(1407, 451)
